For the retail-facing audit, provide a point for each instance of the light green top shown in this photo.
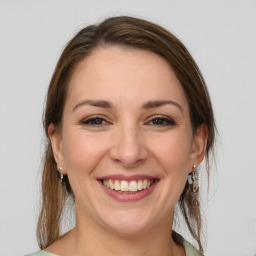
(190, 251)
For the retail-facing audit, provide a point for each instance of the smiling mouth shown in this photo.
(129, 187)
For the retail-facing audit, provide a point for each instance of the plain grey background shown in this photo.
(221, 37)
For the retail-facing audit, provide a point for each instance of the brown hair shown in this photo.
(135, 33)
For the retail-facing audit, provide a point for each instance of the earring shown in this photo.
(193, 180)
(61, 174)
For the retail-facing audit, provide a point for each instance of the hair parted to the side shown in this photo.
(135, 33)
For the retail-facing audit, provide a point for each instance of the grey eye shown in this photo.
(162, 121)
(94, 121)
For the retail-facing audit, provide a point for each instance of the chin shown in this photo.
(128, 223)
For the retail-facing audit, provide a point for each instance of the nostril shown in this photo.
(128, 150)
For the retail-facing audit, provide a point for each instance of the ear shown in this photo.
(56, 142)
(199, 145)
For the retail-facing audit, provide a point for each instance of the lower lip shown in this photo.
(133, 197)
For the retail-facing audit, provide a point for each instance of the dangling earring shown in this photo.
(61, 174)
(193, 180)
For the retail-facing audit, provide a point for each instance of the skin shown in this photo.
(125, 139)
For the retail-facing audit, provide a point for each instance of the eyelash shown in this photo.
(100, 121)
(90, 120)
(164, 121)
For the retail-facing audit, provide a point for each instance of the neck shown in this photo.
(89, 238)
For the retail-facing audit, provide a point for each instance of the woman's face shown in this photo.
(126, 142)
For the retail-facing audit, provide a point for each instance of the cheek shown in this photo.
(173, 156)
(173, 152)
(82, 151)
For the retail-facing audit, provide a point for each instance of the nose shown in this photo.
(128, 147)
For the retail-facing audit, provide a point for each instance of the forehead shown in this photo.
(124, 75)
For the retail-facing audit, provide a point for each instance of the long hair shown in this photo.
(134, 33)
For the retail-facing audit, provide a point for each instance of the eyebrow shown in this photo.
(147, 105)
(95, 103)
(160, 103)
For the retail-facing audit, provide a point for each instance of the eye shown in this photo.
(162, 121)
(94, 121)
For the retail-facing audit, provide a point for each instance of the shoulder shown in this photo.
(190, 249)
(42, 253)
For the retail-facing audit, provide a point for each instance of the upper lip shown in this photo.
(128, 178)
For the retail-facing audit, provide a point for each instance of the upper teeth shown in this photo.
(124, 185)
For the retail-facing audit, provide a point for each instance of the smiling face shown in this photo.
(126, 142)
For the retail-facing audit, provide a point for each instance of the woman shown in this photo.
(128, 120)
